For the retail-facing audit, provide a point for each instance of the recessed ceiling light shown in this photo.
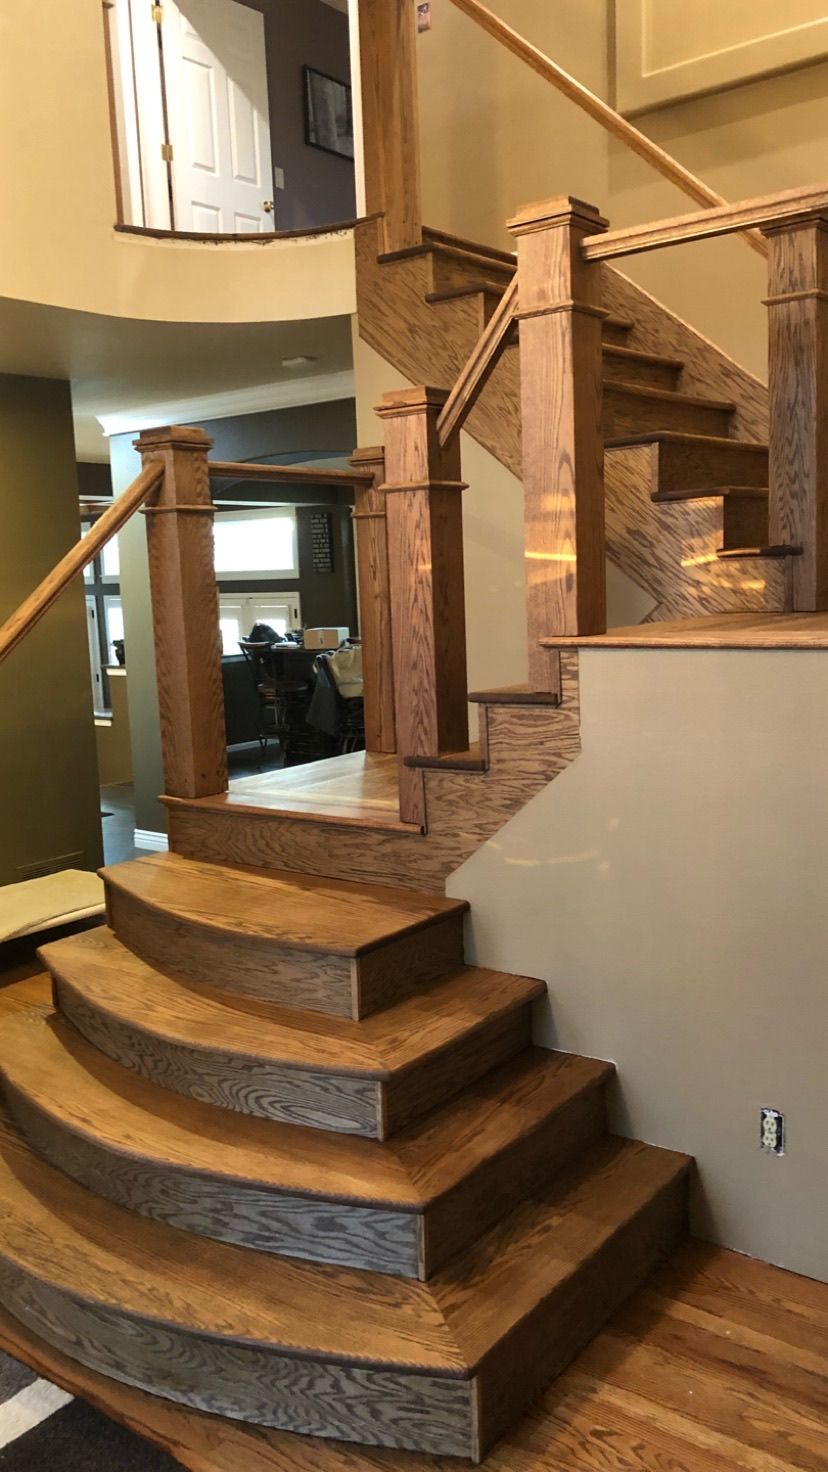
(300, 361)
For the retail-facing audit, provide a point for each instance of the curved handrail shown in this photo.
(23, 620)
(599, 110)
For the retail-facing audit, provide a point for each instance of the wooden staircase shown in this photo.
(280, 1154)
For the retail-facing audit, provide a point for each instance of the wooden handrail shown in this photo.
(285, 474)
(482, 362)
(599, 110)
(771, 209)
(105, 528)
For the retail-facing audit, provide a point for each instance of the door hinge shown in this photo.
(167, 152)
(158, 14)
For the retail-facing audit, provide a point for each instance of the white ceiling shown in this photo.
(134, 373)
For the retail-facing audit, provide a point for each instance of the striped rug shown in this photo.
(42, 1429)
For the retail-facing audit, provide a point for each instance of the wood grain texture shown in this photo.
(185, 614)
(637, 408)
(371, 536)
(388, 71)
(717, 631)
(424, 519)
(594, 1415)
(107, 526)
(304, 942)
(528, 745)
(302, 1068)
(480, 366)
(561, 382)
(798, 367)
(780, 210)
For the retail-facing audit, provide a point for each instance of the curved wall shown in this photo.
(57, 202)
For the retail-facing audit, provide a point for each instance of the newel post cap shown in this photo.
(545, 214)
(411, 401)
(173, 437)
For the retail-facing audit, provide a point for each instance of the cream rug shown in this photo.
(56, 899)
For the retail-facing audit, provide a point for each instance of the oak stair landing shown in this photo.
(276, 1152)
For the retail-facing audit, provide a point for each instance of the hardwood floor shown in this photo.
(719, 1363)
(358, 788)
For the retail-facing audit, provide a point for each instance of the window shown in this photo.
(114, 625)
(237, 615)
(111, 562)
(256, 544)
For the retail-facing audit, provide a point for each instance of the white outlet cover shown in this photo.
(279, 178)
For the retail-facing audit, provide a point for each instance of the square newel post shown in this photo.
(425, 561)
(371, 536)
(185, 614)
(561, 320)
(798, 382)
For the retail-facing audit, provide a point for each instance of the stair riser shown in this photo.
(682, 468)
(646, 375)
(625, 414)
(337, 985)
(543, 1344)
(448, 272)
(744, 522)
(265, 1221)
(376, 1407)
(615, 335)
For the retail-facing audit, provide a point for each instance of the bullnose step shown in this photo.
(325, 945)
(440, 1367)
(368, 1078)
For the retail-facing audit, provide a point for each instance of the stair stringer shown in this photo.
(671, 559)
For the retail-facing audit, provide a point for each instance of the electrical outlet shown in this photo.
(279, 178)
(772, 1131)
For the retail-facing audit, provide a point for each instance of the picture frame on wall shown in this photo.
(329, 114)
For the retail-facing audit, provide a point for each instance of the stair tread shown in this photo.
(664, 395)
(116, 981)
(679, 437)
(82, 1092)
(777, 549)
(698, 493)
(299, 910)
(636, 355)
(78, 1244)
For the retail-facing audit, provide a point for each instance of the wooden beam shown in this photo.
(597, 109)
(561, 385)
(186, 614)
(798, 376)
(317, 475)
(425, 559)
(390, 119)
(726, 219)
(84, 551)
(371, 536)
(480, 366)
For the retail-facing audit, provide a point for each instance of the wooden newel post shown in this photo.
(425, 559)
(185, 614)
(390, 119)
(371, 537)
(561, 320)
(798, 380)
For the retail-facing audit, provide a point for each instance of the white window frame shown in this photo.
(251, 608)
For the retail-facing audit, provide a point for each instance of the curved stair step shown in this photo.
(323, 944)
(325, 1351)
(368, 1078)
(401, 1208)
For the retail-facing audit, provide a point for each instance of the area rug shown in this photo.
(42, 1429)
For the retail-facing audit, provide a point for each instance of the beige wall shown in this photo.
(669, 886)
(49, 802)
(57, 202)
(494, 136)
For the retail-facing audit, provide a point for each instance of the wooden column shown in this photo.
(185, 614)
(798, 379)
(390, 119)
(563, 478)
(425, 560)
(371, 536)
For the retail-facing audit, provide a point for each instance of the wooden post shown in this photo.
(390, 118)
(798, 380)
(371, 535)
(185, 614)
(560, 319)
(425, 559)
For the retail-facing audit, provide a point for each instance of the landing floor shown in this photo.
(715, 631)
(358, 788)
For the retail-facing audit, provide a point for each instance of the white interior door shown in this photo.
(216, 83)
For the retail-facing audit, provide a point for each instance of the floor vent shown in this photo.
(50, 866)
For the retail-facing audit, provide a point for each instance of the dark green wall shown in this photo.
(49, 800)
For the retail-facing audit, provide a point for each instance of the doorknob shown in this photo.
(268, 206)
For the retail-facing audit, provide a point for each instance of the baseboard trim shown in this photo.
(157, 843)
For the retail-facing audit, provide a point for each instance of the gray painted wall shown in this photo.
(670, 888)
(49, 800)
(319, 187)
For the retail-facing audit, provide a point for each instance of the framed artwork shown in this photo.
(329, 116)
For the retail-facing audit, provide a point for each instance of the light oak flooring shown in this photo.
(358, 788)
(719, 1365)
